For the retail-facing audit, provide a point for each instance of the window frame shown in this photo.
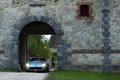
(79, 4)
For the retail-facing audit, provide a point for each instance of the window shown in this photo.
(84, 10)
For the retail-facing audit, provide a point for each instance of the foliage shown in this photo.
(78, 75)
(55, 58)
(38, 46)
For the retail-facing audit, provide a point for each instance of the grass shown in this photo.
(78, 75)
(8, 70)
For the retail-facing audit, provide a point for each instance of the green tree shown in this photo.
(38, 46)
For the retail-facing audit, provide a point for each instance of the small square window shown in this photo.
(84, 10)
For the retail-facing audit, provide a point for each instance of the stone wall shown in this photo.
(87, 59)
(115, 24)
(115, 59)
(2, 60)
(82, 34)
(79, 34)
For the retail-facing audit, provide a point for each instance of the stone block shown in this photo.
(98, 66)
(15, 42)
(58, 25)
(105, 18)
(6, 45)
(44, 19)
(20, 25)
(106, 69)
(106, 11)
(106, 55)
(68, 45)
(106, 22)
(59, 45)
(92, 66)
(105, 7)
(106, 34)
(59, 58)
(29, 19)
(106, 40)
(66, 62)
(66, 67)
(64, 48)
(115, 67)
(38, 18)
(52, 24)
(59, 63)
(16, 46)
(59, 53)
(17, 31)
(15, 38)
(105, 3)
(59, 40)
(107, 48)
(106, 52)
(9, 64)
(105, 15)
(15, 53)
(79, 66)
(85, 67)
(60, 33)
(7, 54)
(69, 53)
(5, 1)
(59, 49)
(64, 58)
(52, 18)
(106, 61)
(16, 64)
(57, 29)
(71, 67)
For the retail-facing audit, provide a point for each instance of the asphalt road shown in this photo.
(22, 76)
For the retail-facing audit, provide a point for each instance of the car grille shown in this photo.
(35, 68)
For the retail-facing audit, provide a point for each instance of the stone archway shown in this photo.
(13, 45)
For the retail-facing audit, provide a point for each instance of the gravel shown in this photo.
(22, 76)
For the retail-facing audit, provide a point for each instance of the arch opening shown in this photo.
(36, 25)
(33, 28)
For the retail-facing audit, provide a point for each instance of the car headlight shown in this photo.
(27, 65)
(43, 65)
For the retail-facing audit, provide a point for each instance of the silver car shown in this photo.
(37, 64)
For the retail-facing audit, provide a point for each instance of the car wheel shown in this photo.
(26, 71)
(47, 70)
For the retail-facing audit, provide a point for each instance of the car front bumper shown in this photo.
(36, 68)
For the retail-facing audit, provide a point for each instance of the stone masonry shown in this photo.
(83, 43)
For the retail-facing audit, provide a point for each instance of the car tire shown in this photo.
(47, 70)
(26, 71)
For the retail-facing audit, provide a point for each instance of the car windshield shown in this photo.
(38, 59)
